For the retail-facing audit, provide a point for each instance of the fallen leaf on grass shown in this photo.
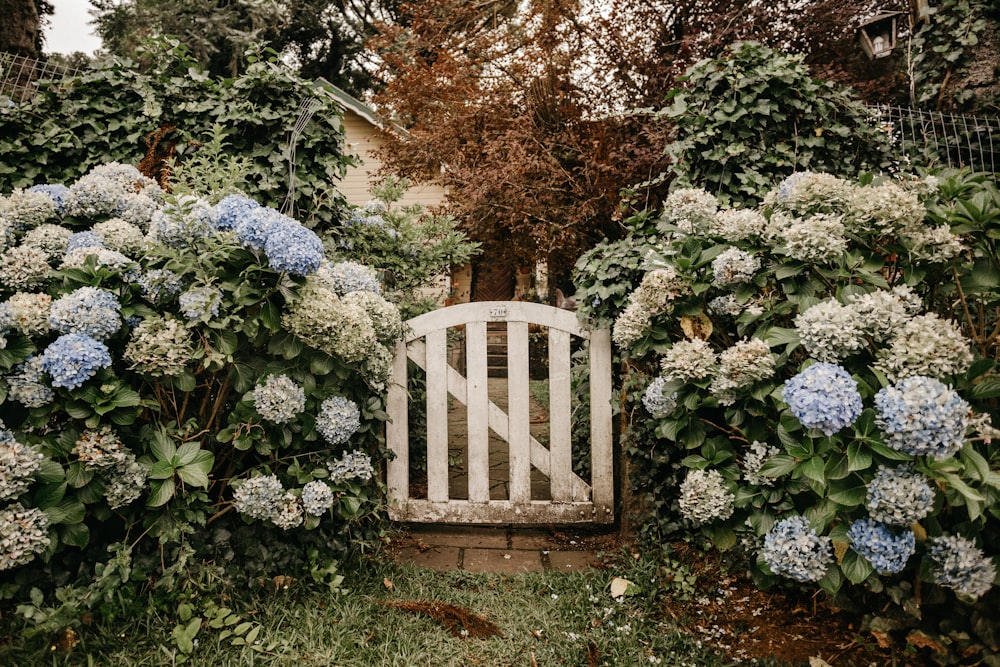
(387, 582)
(622, 587)
(458, 621)
(924, 640)
(818, 662)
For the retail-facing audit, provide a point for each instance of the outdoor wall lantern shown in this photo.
(878, 35)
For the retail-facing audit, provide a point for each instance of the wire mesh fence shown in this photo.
(934, 138)
(19, 76)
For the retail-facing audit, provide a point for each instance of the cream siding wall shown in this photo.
(362, 140)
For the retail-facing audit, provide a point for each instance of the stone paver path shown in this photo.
(502, 549)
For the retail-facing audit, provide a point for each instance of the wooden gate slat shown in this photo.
(601, 438)
(397, 474)
(477, 407)
(437, 416)
(519, 420)
(560, 421)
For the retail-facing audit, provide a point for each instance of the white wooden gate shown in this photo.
(573, 499)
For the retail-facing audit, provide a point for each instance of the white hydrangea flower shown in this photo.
(807, 192)
(830, 331)
(934, 244)
(50, 239)
(883, 312)
(26, 209)
(317, 497)
(321, 319)
(28, 312)
(279, 399)
(689, 360)
(740, 366)
(757, 455)
(24, 268)
(259, 497)
(23, 535)
(884, 209)
(925, 345)
(631, 325)
(738, 224)
(289, 512)
(158, 347)
(817, 239)
(704, 497)
(121, 236)
(692, 210)
(18, 463)
(734, 266)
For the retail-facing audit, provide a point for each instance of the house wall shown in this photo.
(362, 140)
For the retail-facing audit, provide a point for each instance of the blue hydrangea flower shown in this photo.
(338, 419)
(793, 549)
(90, 311)
(160, 285)
(886, 551)
(656, 402)
(347, 277)
(292, 248)
(57, 191)
(823, 396)
(253, 228)
(200, 303)
(899, 496)
(88, 239)
(961, 566)
(231, 209)
(72, 359)
(317, 497)
(922, 416)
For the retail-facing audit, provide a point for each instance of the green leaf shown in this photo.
(49, 471)
(160, 492)
(186, 382)
(855, 567)
(985, 389)
(814, 469)
(77, 475)
(162, 446)
(851, 496)
(161, 470)
(724, 538)
(74, 534)
(778, 465)
(49, 495)
(858, 456)
(186, 453)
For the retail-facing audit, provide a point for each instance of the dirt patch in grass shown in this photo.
(729, 612)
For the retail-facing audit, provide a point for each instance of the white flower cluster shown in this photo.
(158, 347)
(884, 209)
(653, 297)
(28, 312)
(112, 189)
(351, 465)
(26, 209)
(810, 192)
(24, 268)
(883, 312)
(922, 416)
(692, 210)
(934, 244)
(816, 239)
(740, 366)
(793, 549)
(726, 305)
(288, 513)
(181, 221)
(689, 360)
(112, 259)
(23, 535)
(738, 224)
(120, 236)
(50, 239)
(102, 450)
(925, 345)
(339, 418)
(830, 331)
(734, 266)
(384, 315)
(322, 320)
(757, 455)
(278, 399)
(704, 497)
(18, 463)
(258, 497)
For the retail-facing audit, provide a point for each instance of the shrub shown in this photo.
(754, 116)
(150, 390)
(843, 398)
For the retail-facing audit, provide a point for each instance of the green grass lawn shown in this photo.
(551, 618)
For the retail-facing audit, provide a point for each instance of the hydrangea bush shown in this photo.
(830, 360)
(168, 361)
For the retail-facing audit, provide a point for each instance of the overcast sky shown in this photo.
(68, 30)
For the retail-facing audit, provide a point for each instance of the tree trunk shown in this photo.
(19, 26)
